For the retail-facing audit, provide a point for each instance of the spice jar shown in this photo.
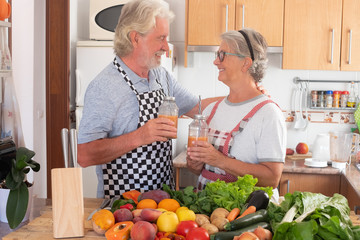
(321, 101)
(344, 98)
(314, 98)
(198, 130)
(169, 109)
(336, 100)
(329, 99)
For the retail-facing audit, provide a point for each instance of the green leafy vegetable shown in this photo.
(218, 194)
(313, 215)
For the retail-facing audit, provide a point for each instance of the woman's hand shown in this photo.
(262, 89)
(204, 152)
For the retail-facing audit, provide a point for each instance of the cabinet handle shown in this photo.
(288, 186)
(350, 40)
(227, 18)
(332, 46)
(243, 17)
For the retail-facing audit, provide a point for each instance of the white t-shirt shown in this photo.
(263, 139)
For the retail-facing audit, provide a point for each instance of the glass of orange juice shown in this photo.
(198, 130)
(169, 110)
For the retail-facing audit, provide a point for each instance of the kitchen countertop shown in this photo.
(40, 227)
(351, 173)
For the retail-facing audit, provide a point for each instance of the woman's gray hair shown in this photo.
(139, 16)
(237, 43)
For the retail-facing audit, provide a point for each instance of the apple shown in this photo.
(302, 148)
(290, 151)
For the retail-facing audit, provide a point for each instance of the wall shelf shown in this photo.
(5, 24)
(298, 80)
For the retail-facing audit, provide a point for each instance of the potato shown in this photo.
(220, 222)
(219, 212)
(202, 219)
(210, 228)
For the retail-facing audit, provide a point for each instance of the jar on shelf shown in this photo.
(198, 130)
(169, 109)
(351, 100)
(329, 99)
(344, 98)
(336, 99)
(322, 100)
(314, 98)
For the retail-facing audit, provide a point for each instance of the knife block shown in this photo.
(67, 202)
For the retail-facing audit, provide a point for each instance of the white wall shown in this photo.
(29, 78)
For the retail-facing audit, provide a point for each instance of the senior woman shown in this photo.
(247, 133)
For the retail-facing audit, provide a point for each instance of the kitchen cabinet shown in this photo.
(205, 20)
(349, 192)
(327, 184)
(350, 41)
(318, 34)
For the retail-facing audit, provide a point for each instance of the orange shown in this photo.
(147, 203)
(169, 204)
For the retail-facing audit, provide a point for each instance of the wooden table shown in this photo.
(41, 227)
(179, 162)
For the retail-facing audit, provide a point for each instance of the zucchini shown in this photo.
(231, 234)
(258, 216)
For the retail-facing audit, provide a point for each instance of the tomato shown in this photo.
(198, 233)
(185, 226)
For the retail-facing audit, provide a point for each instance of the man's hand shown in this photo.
(158, 129)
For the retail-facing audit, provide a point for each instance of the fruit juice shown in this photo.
(191, 139)
(172, 118)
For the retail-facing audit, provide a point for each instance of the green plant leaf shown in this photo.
(34, 165)
(24, 152)
(11, 183)
(17, 205)
(20, 163)
(26, 170)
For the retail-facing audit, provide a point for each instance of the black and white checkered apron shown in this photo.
(222, 141)
(146, 167)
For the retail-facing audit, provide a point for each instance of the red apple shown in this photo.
(290, 151)
(302, 148)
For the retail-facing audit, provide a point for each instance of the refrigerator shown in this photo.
(91, 57)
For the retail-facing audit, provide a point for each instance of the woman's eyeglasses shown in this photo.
(221, 55)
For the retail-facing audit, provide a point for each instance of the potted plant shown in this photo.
(18, 185)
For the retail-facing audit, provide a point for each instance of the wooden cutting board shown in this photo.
(297, 156)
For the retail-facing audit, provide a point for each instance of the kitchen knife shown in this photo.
(103, 205)
(73, 145)
(65, 145)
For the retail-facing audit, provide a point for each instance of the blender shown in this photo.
(342, 144)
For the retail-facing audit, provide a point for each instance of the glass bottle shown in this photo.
(321, 98)
(344, 99)
(169, 109)
(329, 99)
(314, 98)
(336, 101)
(351, 99)
(198, 130)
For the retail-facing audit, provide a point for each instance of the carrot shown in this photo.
(233, 214)
(250, 209)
